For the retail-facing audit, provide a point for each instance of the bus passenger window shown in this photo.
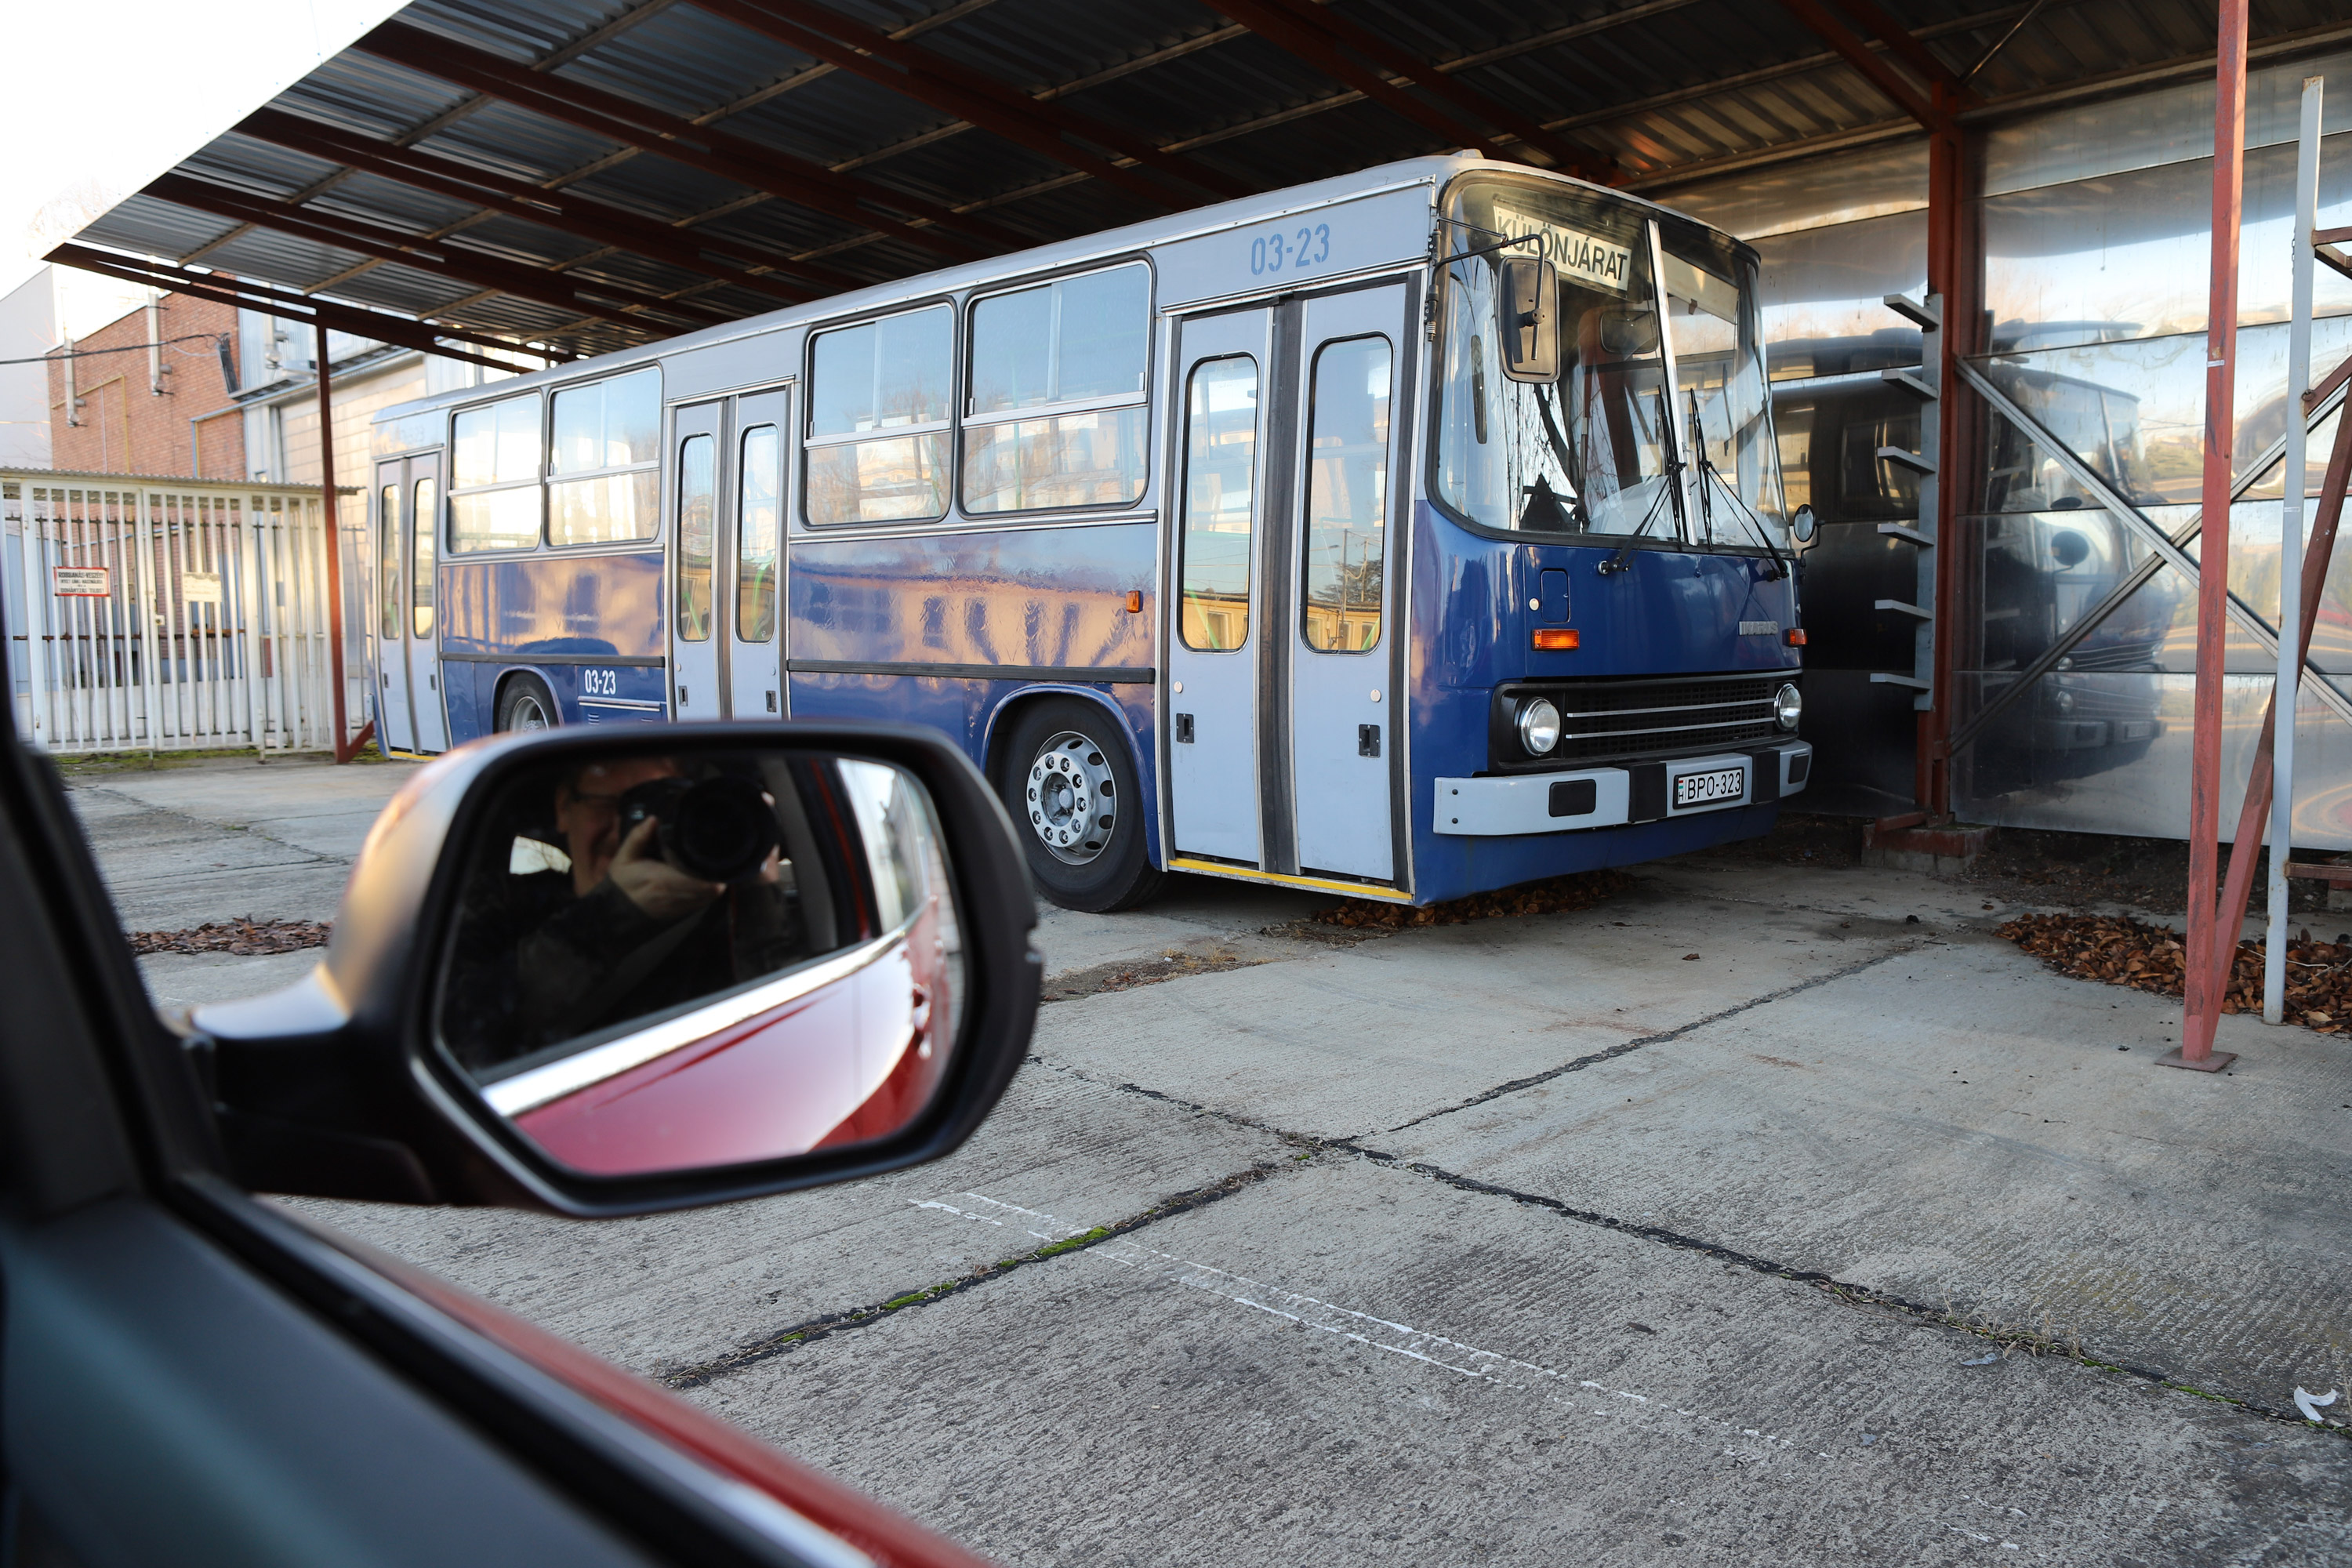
(494, 501)
(698, 475)
(387, 563)
(420, 579)
(1347, 496)
(1219, 502)
(1058, 381)
(604, 477)
(878, 434)
(759, 519)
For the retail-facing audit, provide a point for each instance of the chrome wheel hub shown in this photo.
(1071, 799)
(529, 715)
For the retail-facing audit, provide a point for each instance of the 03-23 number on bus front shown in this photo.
(1279, 251)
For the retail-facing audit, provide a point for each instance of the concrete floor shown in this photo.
(1626, 1235)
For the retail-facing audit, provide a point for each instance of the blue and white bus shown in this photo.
(1404, 535)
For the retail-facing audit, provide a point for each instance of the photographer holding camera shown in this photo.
(641, 919)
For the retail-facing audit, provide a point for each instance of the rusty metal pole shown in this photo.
(343, 748)
(2201, 997)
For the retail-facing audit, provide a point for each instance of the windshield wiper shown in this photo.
(1667, 481)
(1755, 525)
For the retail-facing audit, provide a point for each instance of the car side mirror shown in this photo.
(607, 974)
(1529, 300)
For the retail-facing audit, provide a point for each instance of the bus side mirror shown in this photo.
(1804, 525)
(1529, 301)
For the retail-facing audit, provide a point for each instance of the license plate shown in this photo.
(1706, 789)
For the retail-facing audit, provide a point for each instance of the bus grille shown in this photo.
(1631, 718)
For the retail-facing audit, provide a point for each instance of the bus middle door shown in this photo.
(698, 653)
(762, 422)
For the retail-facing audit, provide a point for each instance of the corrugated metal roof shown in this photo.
(1667, 88)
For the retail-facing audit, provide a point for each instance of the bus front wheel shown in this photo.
(1067, 779)
(525, 706)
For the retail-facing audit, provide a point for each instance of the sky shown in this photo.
(125, 89)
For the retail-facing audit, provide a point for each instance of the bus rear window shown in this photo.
(878, 405)
(1055, 416)
(494, 504)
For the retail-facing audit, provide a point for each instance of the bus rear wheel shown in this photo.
(1065, 775)
(525, 706)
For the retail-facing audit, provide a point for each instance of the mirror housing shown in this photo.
(1804, 524)
(338, 1086)
(1527, 295)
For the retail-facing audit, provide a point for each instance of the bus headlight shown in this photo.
(1538, 724)
(1787, 707)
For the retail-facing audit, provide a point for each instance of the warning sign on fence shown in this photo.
(200, 587)
(81, 582)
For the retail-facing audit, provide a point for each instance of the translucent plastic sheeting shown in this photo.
(2135, 412)
(2099, 751)
(1818, 194)
(1823, 293)
(2125, 254)
(2170, 125)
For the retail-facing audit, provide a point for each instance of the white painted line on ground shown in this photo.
(1310, 1312)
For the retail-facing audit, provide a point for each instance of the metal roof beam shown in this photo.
(732, 157)
(1816, 20)
(1317, 48)
(1580, 161)
(1908, 48)
(239, 294)
(932, 78)
(549, 287)
(565, 213)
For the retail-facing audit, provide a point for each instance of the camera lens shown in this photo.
(722, 830)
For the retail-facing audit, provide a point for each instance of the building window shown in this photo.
(493, 502)
(759, 519)
(603, 479)
(878, 407)
(1056, 418)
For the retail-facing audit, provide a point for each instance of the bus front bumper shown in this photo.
(1614, 796)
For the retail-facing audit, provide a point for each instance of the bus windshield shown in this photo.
(1602, 450)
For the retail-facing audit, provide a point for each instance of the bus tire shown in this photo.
(525, 704)
(1066, 776)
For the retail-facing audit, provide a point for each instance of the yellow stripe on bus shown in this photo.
(1212, 868)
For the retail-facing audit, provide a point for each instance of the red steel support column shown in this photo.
(1951, 275)
(343, 748)
(2201, 1008)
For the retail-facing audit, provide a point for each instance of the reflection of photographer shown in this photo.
(652, 890)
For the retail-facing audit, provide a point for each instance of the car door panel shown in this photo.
(163, 1405)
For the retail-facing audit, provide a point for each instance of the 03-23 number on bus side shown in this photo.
(1281, 251)
(600, 683)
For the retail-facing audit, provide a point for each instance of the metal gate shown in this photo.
(163, 613)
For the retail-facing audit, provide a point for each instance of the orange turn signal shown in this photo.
(1796, 636)
(1135, 603)
(1561, 639)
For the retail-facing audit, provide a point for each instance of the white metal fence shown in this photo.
(167, 613)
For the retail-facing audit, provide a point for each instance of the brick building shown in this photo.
(167, 410)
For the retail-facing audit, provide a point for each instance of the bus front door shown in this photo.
(727, 557)
(1279, 734)
(1344, 399)
(409, 716)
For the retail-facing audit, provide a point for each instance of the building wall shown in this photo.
(29, 318)
(126, 418)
